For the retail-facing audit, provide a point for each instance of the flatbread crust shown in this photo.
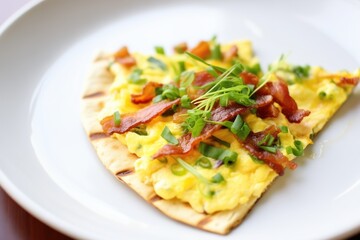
(120, 162)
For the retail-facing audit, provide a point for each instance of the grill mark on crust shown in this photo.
(125, 172)
(97, 135)
(94, 95)
(204, 221)
(155, 198)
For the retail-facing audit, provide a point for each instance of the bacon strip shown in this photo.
(132, 120)
(148, 93)
(181, 47)
(124, 58)
(187, 142)
(344, 81)
(202, 78)
(202, 50)
(231, 53)
(281, 95)
(249, 78)
(277, 161)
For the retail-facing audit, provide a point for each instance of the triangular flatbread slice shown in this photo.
(115, 78)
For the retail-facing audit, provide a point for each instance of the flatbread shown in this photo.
(119, 161)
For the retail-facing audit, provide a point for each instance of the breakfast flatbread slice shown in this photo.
(202, 140)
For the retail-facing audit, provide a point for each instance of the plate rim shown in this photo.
(32, 206)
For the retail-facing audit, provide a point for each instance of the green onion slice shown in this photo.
(203, 162)
(159, 50)
(117, 119)
(156, 62)
(284, 129)
(217, 178)
(178, 169)
(168, 136)
(229, 157)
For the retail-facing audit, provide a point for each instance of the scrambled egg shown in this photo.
(247, 178)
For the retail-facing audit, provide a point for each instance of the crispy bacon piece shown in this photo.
(344, 81)
(148, 93)
(181, 47)
(202, 50)
(124, 58)
(268, 111)
(249, 78)
(281, 95)
(131, 120)
(187, 142)
(277, 161)
(231, 53)
(202, 78)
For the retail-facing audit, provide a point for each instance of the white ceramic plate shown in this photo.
(49, 167)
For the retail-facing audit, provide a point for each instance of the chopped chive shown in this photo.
(135, 77)
(217, 178)
(298, 150)
(140, 130)
(284, 129)
(271, 140)
(322, 95)
(216, 52)
(117, 119)
(229, 157)
(177, 169)
(222, 142)
(182, 67)
(168, 136)
(256, 160)
(203, 162)
(157, 63)
(240, 128)
(269, 149)
(159, 50)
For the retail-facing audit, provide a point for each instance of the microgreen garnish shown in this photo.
(203, 162)
(192, 170)
(185, 101)
(168, 91)
(117, 119)
(159, 50)
(195, 121)
(168, 136)
(186, 79)
(157, 63)
(229, 157)
(135, 77)
(298, 150)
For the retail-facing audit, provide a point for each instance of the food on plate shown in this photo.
(202, 133)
